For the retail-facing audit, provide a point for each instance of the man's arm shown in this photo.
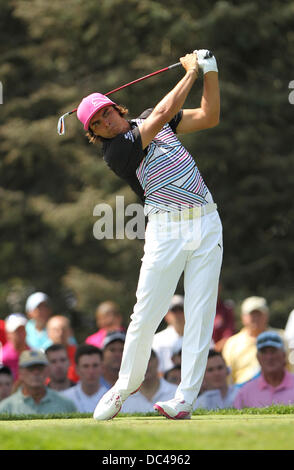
(166, 109)
(208, 114)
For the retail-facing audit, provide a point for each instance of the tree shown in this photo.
(53, 54)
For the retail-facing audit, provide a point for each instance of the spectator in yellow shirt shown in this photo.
(240, 349)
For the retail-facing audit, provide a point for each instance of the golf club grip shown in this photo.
(174, 65)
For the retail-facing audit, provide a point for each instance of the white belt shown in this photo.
(186, 214)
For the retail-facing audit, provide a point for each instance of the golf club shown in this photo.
(61, 123)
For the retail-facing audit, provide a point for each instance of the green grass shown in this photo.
(253, 429)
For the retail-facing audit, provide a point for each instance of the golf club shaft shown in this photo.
(144, 78)
(208, 55)
(165, 69)
(61, 123)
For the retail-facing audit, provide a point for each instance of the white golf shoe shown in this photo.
(109, 405)
(174, 409)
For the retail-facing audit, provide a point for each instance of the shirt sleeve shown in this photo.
(124, 153)
(176, 120)
(173, 123)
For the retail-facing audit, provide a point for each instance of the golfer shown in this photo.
(183, 234)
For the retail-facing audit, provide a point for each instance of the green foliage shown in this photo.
(53, 54)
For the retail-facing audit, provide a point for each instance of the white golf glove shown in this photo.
(206, 61)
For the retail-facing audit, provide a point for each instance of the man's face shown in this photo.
(17, 337)
(58, 330)
(33, 377)
(109, 320)
(176, 317)
(272, 360)
(6, 383)
(41, 313)
(215, 373)
(174, 376)
(89, 368)
(58, 365)
(255, 321)
(108, 123)
(112, 355)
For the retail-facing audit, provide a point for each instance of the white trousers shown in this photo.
(172, 247)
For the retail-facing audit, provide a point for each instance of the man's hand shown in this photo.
(206, 61)
(190, 62)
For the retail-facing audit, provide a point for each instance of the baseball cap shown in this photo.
(254, 303)
(177, 302)
(90, 105)
(113, 336)
(34, 300)
(14, 321)
(32, 357)
(269, 338)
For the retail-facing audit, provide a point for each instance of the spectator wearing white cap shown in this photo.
(239, 351)
(165, 341)
(38, 311)
(33, 397)
(16, 342)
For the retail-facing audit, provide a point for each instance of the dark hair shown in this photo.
(93, 138)
(213, 353)
(55, 347)
(5, 370)
(86, 349)
(166, 374)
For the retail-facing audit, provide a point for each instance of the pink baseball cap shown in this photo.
(90, 105)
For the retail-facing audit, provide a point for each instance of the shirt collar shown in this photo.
(44, 399)
(286, 382)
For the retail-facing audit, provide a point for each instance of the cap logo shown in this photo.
(95, 102)
(98, 101)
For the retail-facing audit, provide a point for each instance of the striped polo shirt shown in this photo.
(169, 176)
(164, 173)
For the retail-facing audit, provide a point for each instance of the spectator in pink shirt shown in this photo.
(108, 319)
(275, 385)
(16, 341)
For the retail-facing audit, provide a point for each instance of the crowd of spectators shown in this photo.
(43, 368)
